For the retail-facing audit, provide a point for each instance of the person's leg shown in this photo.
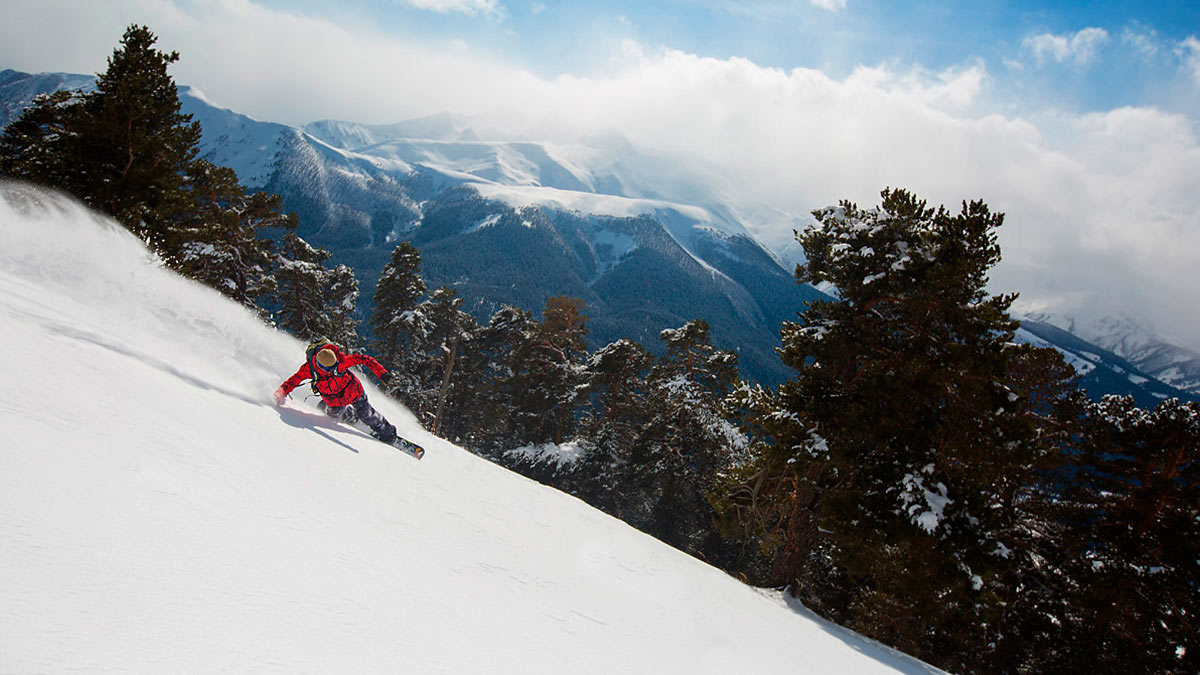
(342, 413)
(380, 427)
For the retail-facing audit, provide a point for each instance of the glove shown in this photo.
(385, 377)
(280, 396)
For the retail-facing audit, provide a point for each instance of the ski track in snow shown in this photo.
(158, 513)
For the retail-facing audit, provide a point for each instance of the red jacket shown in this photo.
(337, 386)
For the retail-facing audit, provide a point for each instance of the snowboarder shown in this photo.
(342, 395)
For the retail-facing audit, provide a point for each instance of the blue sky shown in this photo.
(1080, 121)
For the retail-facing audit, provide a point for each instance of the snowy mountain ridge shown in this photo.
(17, 89)
(159, 512)
(1160, 357)
(1100, 371)
(611, 179)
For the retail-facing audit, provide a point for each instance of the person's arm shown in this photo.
(291, 383)
(363, 360)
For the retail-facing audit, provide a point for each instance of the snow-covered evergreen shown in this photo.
(315, 302)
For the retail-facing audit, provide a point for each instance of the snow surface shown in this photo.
(158, 513)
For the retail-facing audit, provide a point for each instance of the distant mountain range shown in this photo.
(1156, 357)
(1099, 370)
(18, 89)
(647, 243)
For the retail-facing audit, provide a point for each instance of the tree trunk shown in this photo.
(437, 418)
(785, 569)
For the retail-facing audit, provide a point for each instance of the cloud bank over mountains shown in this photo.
(1100, 204)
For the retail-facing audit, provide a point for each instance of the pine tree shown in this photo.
(894, 450)
(43, 144)
(686, 438)
(449, 327)
(315, 302)
(342, 293)
(616, 377)
(127, 150)
(124, 149)
(485, 373)
(300, 292)
(550, 373)
(136, 144)
(1132, 540)
(399, 290)
(218, 242)
(441, 327)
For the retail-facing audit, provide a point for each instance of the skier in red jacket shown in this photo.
(342, 395)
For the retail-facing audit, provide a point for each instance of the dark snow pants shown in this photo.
(361, 411)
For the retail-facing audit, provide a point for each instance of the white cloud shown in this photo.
(470, 7)
(1144, 41)
(1078, 49)
(1189, 51)
(831, 5)
(1102, 204)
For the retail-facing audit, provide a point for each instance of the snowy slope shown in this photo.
(159, 514)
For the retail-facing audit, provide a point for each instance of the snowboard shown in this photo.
(407, 446)
(402, 444)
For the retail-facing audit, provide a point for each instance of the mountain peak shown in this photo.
(354, 136)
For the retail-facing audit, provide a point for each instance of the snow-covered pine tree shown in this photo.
(893, 450)
(314, 302)
(550, 373)
(399, 290)
(441, 327)
(686, 438)
(616, 376)
(217, 242)
(685, 391)
(342, 292)
(448, 319)
(611, 424)
(484, 383)
(1128, 556)
(42, 145)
